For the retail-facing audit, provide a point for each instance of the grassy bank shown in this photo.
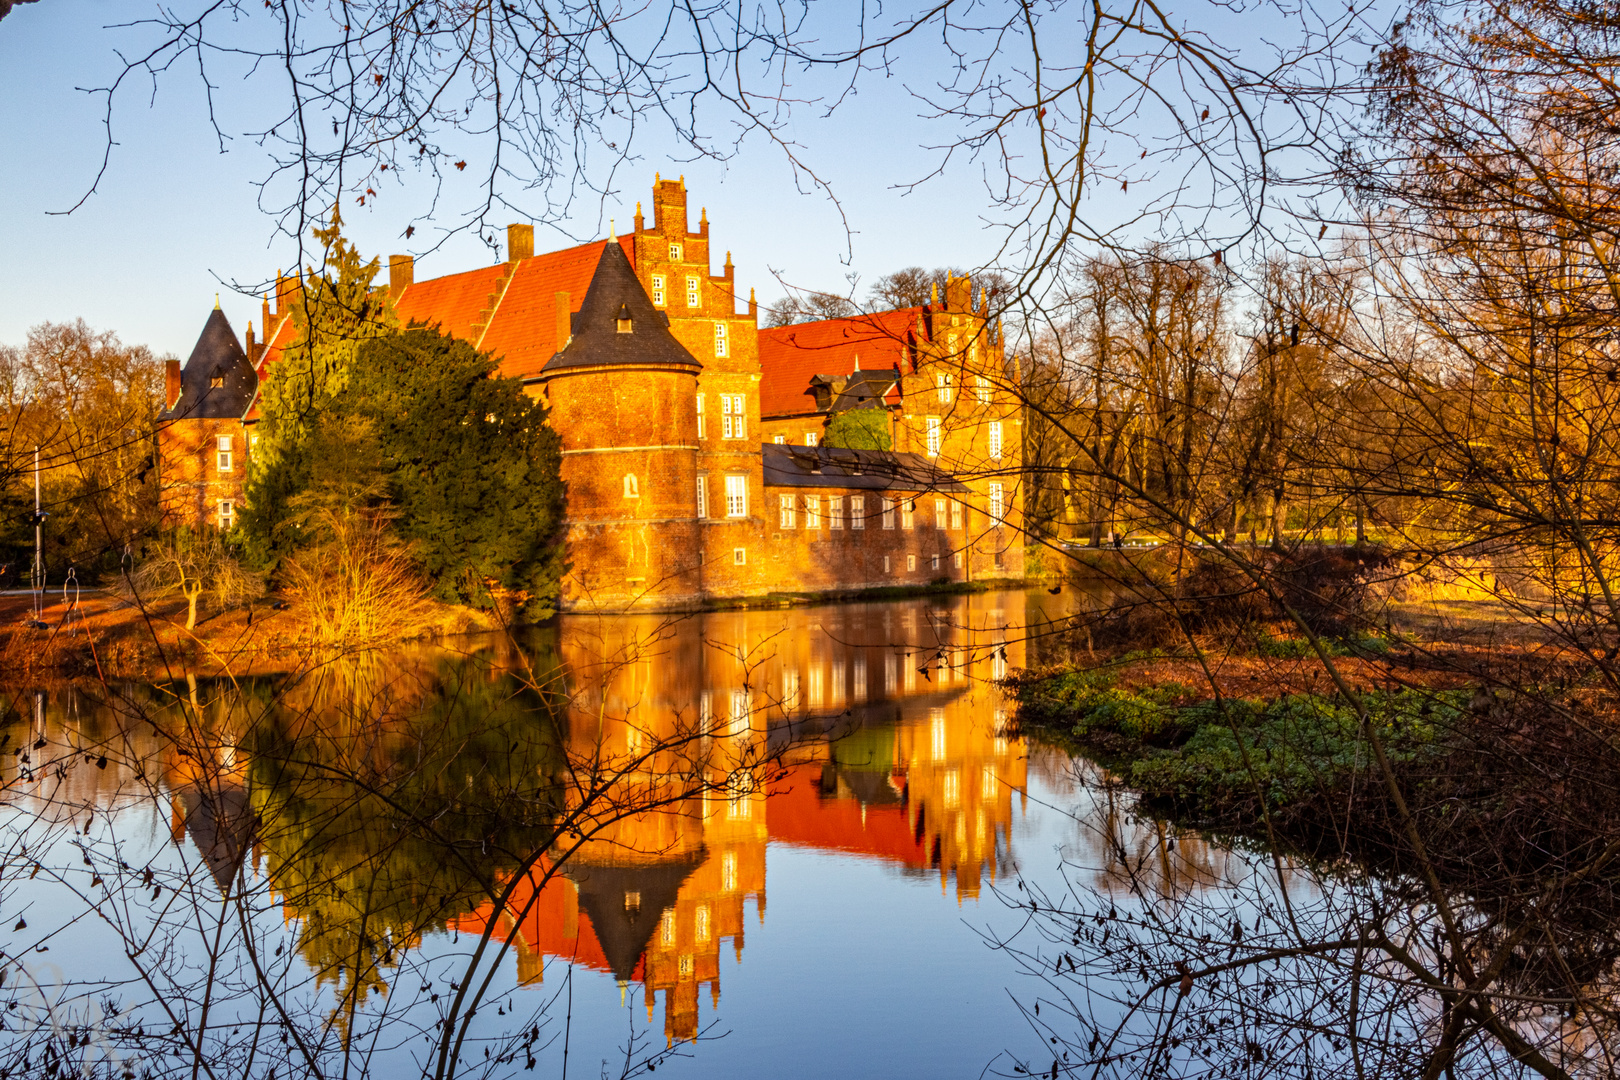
(1226, 760)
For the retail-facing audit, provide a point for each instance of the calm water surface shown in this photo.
(790, 838)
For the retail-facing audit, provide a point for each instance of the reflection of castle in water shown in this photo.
(886, 721)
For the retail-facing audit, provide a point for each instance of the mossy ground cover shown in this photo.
(1228, 759)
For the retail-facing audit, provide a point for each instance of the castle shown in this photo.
(693, 451)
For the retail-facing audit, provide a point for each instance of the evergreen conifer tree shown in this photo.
(336, 311)
(472, 466)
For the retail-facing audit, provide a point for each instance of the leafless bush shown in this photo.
(192, 565)
(358, 586)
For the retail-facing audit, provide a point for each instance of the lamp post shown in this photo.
(36, 575)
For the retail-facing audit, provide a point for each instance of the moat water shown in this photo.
(777, 843)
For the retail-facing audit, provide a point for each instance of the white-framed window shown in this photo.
(739, 556)
(885, 564)
(737, 498)
(812, 511)
(981, 389)
(932, 426)
(911, 564)
(702, 428)
(227, 514)
(936, 563)
(998, 503)
(676, 252)
(908, 513)
(720, 339)
(809, 438)
(702, 496)
(835, 511)
(888, 520)
(632, 490)
(658, 290)
(957, 559)
(784, 511)
(223, 457)
(939, 513)
(995, 440)
(779, 440)
(857, 511)
(733, 416)
(942, 383)
(692, 294)
(956, 516)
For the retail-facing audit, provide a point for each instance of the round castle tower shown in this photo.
(622, 393)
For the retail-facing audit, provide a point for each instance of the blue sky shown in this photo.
(174, 217)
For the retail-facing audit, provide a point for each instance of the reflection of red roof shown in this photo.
(789, 356)
(797, 814)
(544, 930)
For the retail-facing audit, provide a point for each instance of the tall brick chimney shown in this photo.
(519, 242)
(171, 383)
(401, 273)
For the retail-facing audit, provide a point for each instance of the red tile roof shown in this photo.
(523, 330)
(789, 356)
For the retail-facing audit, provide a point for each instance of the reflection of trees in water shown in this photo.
(1159, 952)
(311, 831)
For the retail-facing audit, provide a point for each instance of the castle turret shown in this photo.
(202, 443)
(623, 394)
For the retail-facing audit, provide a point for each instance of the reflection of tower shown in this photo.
(626, 904)
(211, 805)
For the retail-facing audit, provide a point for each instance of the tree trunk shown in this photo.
(1361, 523)
(192, 596)
(1279, 517)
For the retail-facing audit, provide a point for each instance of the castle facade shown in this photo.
(694, 450)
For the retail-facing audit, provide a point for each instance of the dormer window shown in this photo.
(217, 382)
(624, 318)
(676, 253)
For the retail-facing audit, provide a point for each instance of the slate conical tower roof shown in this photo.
(217, 382)
(614, 293)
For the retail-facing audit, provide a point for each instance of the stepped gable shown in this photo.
(837, 467)
(614, 297)
(791, 357)
(622, 928)
(217, 382)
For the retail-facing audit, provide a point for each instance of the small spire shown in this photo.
(857, 368)
(703, 215)
(613, 232)
(638, 208)
(658, 178)
(216, 301)
(728, 258)
(933, 295)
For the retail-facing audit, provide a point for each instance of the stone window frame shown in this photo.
(694, 291)
(939, 514)
(812, 512)
(887, 505)
(737, 496)
(677, 252)
(933, 435)
(994, 437)
(734, 416)
(632, 486)
(908, 514)
(981, 389)
(835, 512)
(998, 503)
(785, 511)
(227, 513)
(702, 495)
(224, 453)
(722, 346)
(702, 431)
(658, 290)
(943, 386)
(739, 556)
(857, 511)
